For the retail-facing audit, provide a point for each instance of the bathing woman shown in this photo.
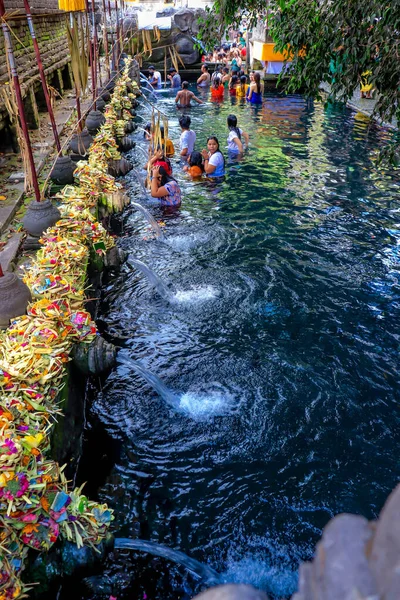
(213, 159)
(165, 187)
(236, 136)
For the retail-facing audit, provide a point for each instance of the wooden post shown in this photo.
(91, 53)
(118, 35)
(77, 95)
(112, 35)
(42, 75)
(18, 94)
(105, 39)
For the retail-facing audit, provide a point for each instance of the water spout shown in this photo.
(150, 219)
(153, 279)
(198, 569)
(155, 382)
(138, 175)
(145, 154)
(214, 401)
(144, 80)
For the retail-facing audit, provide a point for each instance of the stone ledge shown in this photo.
(10, 251)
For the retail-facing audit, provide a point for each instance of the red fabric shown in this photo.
(165, 164)
(243, 52)
(217, 92)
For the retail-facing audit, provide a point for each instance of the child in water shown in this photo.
(241, 89)
(233, 85)
(147, 132)
(169, 146)
(195, 168)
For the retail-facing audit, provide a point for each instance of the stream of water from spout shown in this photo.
(150, 219)
(200, 570)
(155, 281)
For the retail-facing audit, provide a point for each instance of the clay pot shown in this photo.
(105, 94)
(14, 298)
(94, 121)
(129, 127)
(100, 104)
(80, 142)
(39, 216)
(125, 144)
(63, 171)
(78, 157)
(118, 168)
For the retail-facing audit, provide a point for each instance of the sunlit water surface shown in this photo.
(281, 347)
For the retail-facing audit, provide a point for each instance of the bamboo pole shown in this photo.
(92, 68)
(95, 49)
(18, 94)
(118, 35)
(105, 39)
(112, 35)
(42, 75)
(122, 25)
(77, 95)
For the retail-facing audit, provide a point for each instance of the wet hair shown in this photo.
(212, 137)
(185, 85)
(216, 83)
(147, 129)
(232, 125)
(205, 67)
(185, 121)
(196, 160)
(151, 68)
(165, 178)
(257, 79)
(243, 81)
(234, 81)
(226, 70)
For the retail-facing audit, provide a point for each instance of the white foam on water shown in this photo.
(200, 405)
(186, 242)
(199, 294)
(280, 581)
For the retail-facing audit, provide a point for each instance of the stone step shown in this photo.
(9, 253)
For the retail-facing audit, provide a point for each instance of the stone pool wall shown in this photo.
(50, 30)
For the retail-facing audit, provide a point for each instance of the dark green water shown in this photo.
(283, 348)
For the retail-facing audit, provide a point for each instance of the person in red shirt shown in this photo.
(217, 89)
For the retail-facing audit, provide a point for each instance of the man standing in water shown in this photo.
(154, 77)
(204, 79)
(184, 96)
(174, 78)
(188, 137)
